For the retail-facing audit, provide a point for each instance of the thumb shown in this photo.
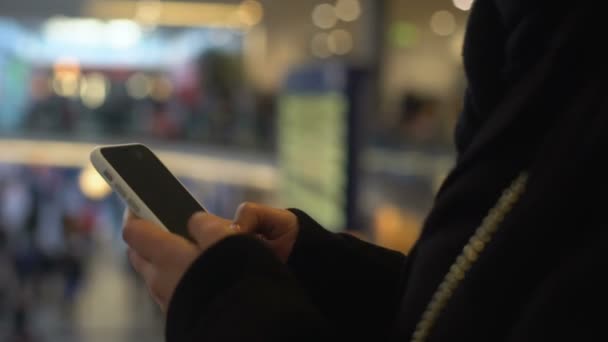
(205, 228)
(269, 222)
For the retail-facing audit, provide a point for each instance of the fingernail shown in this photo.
(235, 227)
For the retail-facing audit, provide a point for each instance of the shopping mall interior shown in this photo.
(342, 108)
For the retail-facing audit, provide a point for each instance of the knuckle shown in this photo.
(199, 219)
(210, 226)
(247, 207)
(205, 225)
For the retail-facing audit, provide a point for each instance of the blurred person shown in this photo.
(53, 113)
(513, 250)
(221, 79)
(18, 213)
(48, 228)
(78, 218)
(5, 266)
(114, 113)
(265, 121)
(162, 125)
(7, 279)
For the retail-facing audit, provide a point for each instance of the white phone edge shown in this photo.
(120, 186)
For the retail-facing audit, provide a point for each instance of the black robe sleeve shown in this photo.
(334, 286)
(354, 283)
(238, 291)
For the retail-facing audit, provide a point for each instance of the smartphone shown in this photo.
(147, 186)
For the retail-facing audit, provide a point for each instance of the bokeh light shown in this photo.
(162, 89)
(93, 90)
(348, 10)
(122, 33)
(250, 12)
(92, 185)
(443, 23)
(148, 12)
(324, 16)
(66, 77)
(320, 45)
(463, 5)
(403, 34)
(139, 86)
(340, 42)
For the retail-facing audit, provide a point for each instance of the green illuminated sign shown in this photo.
(313, 155)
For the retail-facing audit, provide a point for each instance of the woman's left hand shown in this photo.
(162, 258)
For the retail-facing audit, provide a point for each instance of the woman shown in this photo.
(512, 250)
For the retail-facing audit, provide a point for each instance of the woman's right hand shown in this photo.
(278, 228)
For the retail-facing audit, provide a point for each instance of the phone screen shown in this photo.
(155, 185)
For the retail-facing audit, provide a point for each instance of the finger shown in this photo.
(156, 295)
(204, 227)
(146, 270)
(128, 216)
(141, 265)
(266, 221)
(151, 241)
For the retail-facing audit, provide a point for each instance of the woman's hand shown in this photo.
(278, 228)
(162, 258)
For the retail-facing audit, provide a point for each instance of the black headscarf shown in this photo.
(536, 101)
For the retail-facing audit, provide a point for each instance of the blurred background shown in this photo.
(344, 109)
